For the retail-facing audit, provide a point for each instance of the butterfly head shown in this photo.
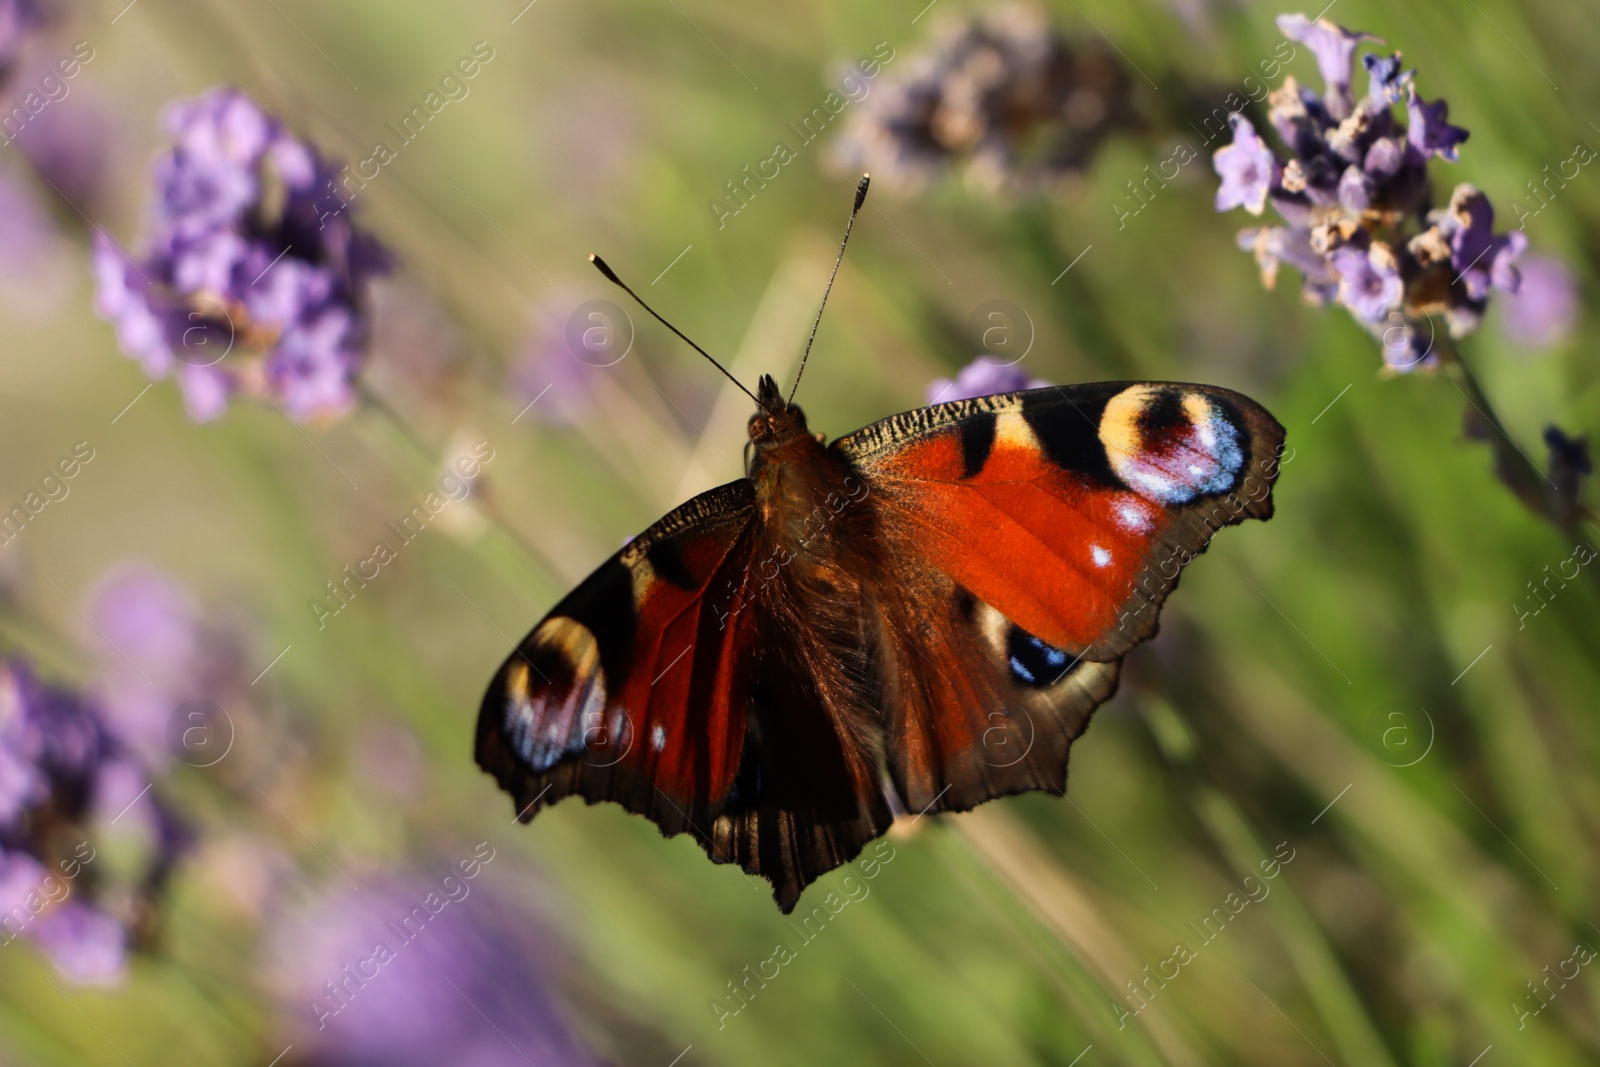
(776, 420)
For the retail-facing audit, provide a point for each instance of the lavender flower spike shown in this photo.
(254, 279)
(1355, 191)
(1247, 167)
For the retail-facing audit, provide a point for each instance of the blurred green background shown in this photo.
(1453, 872)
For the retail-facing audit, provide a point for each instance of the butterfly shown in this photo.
(921, 615)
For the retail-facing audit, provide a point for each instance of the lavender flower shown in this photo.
(87, 946)
(156, 652)
(54, 759)
(982, 377)
(1544, 309)
(1430, 133)
(72, 148)
(1004, 96)
(254, 278)
(1369, 280)
(1248, 169)
(1334, 48)
(1353, 198)
(570, 345)
(422, 971)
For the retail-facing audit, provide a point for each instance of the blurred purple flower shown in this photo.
(1355, 192)
(420, 972)
(1004, 95)
(23, 783)
(1334, 48)
(982, 377)
(1387, 81)
(1274, 245)
(1479, 257)
(87, 946)
(566, 349)
(73, 147)
(58, 767)
(18, 20)
(156, 651)
(1430, 133)
(1369, 281)
(1247, 167)
(255, 278)
(1544, 309)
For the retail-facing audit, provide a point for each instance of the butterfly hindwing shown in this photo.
(1029, 540)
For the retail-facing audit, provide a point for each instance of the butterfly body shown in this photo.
(931, 606)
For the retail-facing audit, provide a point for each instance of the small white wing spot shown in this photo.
(1133, 517)
(658, 737)
(1101, 556)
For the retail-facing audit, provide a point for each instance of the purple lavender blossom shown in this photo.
(156, 652)
(254, 279)
(1334, 48)
(982, 377)
(87, 946)
(1003, 96)
(1430, 133)
(417, 971)
(1355, 194)
(571, 344)
(72, 148)
(56, 771)
(1274, 245)
(1369, 280)
(1479, 258)
(18, 20)
(1544, 309)
(23, 783)
(1247, 167)
(1387, 81)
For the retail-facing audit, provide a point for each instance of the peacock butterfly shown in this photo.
(751, 667)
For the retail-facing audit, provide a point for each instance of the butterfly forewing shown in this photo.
(633, 688)
(1031, 538)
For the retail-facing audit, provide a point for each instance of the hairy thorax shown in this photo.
(804, 493)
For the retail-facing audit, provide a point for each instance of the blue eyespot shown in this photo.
(1033, 662)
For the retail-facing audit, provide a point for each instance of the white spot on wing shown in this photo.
(1133, 517)
(658, 737)
(1101, 556)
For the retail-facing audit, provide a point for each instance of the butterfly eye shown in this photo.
(758, 427)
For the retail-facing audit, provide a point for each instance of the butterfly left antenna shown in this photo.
(861, 198)
(611, 276)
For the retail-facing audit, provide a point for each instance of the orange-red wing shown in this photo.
(630, 689)
(1029, 540)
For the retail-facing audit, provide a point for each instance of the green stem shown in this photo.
(1531, 485)
(483, 501)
